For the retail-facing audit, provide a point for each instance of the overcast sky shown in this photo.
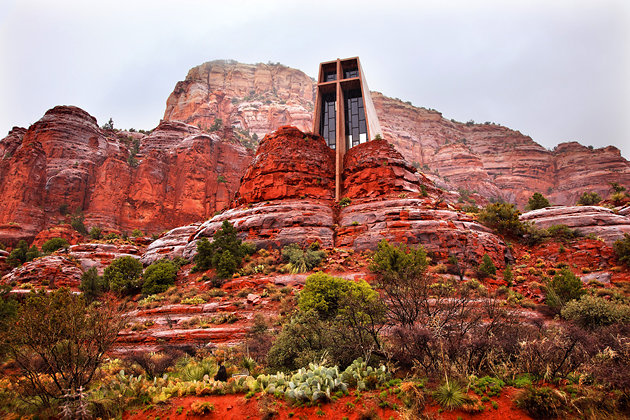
(555, 70)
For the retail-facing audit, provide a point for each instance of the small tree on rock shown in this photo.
(537, 201)
(123, 275)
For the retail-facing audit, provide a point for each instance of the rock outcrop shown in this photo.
(598, 221)
(65, 164)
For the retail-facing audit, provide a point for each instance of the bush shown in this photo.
(225, 252)
(77, 223)
(537, 201)
(450, 396)
(337, 318)
(158, 277)
(17, 256)
(300, 261)
(508, 277)
(589, 199)
(503, 217)
(402, 277)
(562, 232)
(58, 342)
(592, 311)
(32, 253)
(136, 233)
(564, 287)
(486, 268)
(123, 276)
(96, 233)
(622, 249)
(54, 244)
(541, 403)
(92, 285)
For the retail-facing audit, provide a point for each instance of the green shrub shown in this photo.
(96, 233)
(508, 277)
(541, 403)
(537, 201)
(589, 199)
(622, 249)
(17, 256)
(123, 275)
(225, 252)
(399, 260)
(450, 396)
(32, 253)
(54, 244)
(300, 261)
(136, 233)
(562, 232)
(486, 268)
(92, 285)
(503, 217)
(158, 277)
(593, 311)
(77, 223)
(344, 202)
(564, 287)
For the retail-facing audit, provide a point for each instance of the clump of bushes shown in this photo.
(22, 253)
(502, 217)
(123, 276)
(92, 285)
(301, 261)
(158, 277)
(537, 201)
(589, 199)
(564, 287)
(54, 244)
(225, 252)
(543, 402)
(592, 312)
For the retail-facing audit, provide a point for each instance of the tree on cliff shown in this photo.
(123, 275)
(225, 252)
(537, 201)
(589, 199)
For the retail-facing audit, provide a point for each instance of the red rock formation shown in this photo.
(65, 162)
(257, 98)
(61, 231)
(588, 220)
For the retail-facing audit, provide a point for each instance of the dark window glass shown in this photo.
(355, 124)
(329, 76)
(328, 122)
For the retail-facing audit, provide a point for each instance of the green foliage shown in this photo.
(32, 253)
(323, 293)
(622, 249)
(564, 287)
(592, 312)
(450, 396)
(562, 232)
(123, 275)
(300, 261)
(486, 268)
(615, 187)
(92, 285)
(487, 385)
(589, 199)
(109, 125)
(8, 310)
(136, 233)
(217, 125)
(391, 260)
(537, 201)
(96, 233)
(503, 217)
(344, 202)
(225, 252)
(17, 256)
(541, 403)
(54, 244)
(59, 341)
(337, 318)
(508, 276)
(158, 277)
(189, 369)
(77, 223)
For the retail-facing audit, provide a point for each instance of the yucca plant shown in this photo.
(450, 396)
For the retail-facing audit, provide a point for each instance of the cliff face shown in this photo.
(256, 99)
(65, 164)
(493, 160)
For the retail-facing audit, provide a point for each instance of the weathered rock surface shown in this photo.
(255, 98)
(100, 255)
(170, 245)
(588, 220)
(52, 271)
(65, 163)
(60, 231)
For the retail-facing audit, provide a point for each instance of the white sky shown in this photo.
(557, 70)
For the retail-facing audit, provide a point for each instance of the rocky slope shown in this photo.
(65, 164)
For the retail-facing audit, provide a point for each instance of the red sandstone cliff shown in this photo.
(64, 164)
